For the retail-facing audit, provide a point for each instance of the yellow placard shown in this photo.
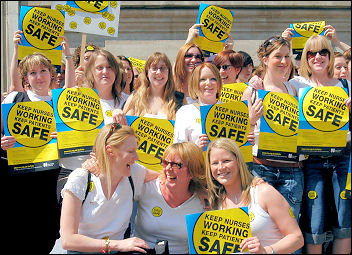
(155, 135)
(232, 92)
(219, 231)
(302, 31)
(138, 63)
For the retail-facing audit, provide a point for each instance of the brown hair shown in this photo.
(139, 102)
(116, 66)
(179, 67)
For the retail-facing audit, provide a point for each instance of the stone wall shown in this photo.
(149, 26)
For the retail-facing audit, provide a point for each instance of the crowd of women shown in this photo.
(96, 218)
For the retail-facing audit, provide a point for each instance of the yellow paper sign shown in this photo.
(232, 92)
(302, 31)
(219, 231)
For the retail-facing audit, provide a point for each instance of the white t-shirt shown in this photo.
(101, 217)
(188, 125)
(156, 220)
(33, 97)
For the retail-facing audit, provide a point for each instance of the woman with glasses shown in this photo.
(285, 176)
(325, 177)
(96, 221)
(164, 202)
(229, 63)
(188, 57)
(204, 88)
(231, 185)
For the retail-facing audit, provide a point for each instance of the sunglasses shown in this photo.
(271, 40)
(224, 67)
(197, 56)
(323, 52)
(174, 165)
(114, 126)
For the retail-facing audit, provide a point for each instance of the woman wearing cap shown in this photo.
(80, 65)
(247, 68)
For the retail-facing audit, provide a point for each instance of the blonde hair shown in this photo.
(140, 100)
(117, 138)
(35, 59)
(193, 85)
(116, 67)
(192, 156)
(179, 67)
(316, 42)
(216, 191)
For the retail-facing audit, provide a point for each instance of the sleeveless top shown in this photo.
(261, 223)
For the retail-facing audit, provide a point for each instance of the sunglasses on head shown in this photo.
(271, 40)
(323, 52)
(174, 165)
(114, 126)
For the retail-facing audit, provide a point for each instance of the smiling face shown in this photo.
(128, 71)
(192, 57)
(318, 63)
(340, 68)
(228, 72)
(175, 177)
(208, 86)
(279, 61)
(103, 73)
(39, 78)
(158, 74)
(224, 167)
(124, 156)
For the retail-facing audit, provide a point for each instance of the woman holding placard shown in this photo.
(204, 88)
(231, 185)
(34, 211)
(325, 177)
(188, 57)
(285, 176)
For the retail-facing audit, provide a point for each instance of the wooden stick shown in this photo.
(83, 47)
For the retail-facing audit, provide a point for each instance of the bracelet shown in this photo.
(272, 250)
(68, 57)
(105, 249)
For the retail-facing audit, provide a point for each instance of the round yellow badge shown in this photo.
(157, 211)
(343, 195)
(312, 194)
(251, 216)
(291, 213)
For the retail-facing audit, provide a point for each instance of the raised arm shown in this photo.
(69, 69)
(193, 32)
(16, 83)
(330, 33)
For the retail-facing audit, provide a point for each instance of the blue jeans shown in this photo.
(325, 206)
(287, 180)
